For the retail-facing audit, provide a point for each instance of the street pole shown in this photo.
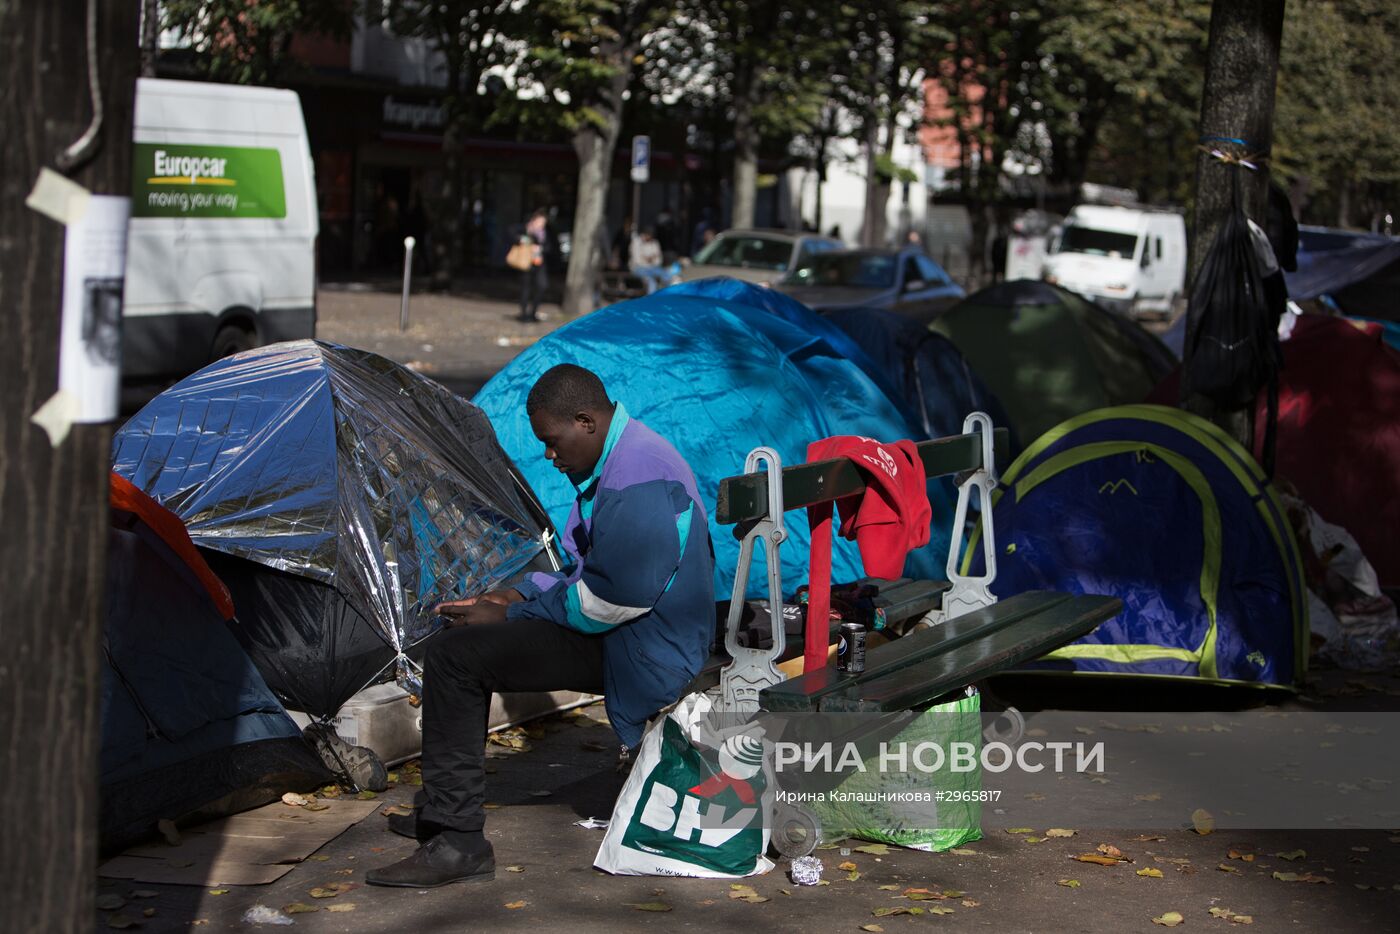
(1237, 103)
(53, 493)
(408, 243)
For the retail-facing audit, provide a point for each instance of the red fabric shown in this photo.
(887, 521)
(171, 531)
(1338, 430)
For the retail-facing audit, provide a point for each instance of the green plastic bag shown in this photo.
(959, 814)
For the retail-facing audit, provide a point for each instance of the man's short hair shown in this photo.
(565, 390)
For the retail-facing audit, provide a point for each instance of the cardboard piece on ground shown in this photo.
(252, 848)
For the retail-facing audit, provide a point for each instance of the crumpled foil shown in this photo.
(806, 870)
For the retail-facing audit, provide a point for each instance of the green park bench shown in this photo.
(960, 632)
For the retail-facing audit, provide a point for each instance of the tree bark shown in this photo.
(53, 499)
(1237, 102)
(595, 148)
(745, 156)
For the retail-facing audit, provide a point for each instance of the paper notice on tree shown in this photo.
(94, 265)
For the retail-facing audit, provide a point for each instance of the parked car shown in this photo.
(903, 280)
(761, 256)
(1128, 259)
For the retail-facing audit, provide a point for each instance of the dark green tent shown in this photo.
(1049, 354)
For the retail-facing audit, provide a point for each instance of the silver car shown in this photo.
(902, 280)
(759, 256)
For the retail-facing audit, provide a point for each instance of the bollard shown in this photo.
(408, 243)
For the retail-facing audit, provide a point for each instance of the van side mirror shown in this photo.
(1146, 258)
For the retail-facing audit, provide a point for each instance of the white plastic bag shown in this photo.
(697, 801)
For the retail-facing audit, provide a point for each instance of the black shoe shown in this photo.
(436, 863)
(409, 825)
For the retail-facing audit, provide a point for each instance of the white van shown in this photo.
(221, 251)
(1131, 259)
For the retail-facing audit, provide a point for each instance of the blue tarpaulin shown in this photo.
(716, 378)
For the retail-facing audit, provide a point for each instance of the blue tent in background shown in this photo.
(1166, 512)
(716, 378)
(931, 374)
(794, 312)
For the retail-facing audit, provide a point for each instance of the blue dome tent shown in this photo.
(929, 371)
(716, 378)
(1166, 512)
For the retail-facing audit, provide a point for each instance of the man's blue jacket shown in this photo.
(643, 574)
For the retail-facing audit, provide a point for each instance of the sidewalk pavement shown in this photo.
(1003, 882)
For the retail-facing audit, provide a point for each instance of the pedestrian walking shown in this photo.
(534, 277)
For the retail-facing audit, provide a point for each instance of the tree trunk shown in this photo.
(873, 214)
(150, 36)
(54, 500)
(1237, 102)
(595, 149)
(745, 157)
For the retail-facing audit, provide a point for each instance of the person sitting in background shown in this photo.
(644, 259)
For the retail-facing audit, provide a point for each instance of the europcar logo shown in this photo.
(207, 181)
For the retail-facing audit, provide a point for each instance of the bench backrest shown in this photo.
(745, 498)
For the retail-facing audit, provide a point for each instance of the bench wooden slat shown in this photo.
(914, 651)
(745, 497)
(996, 649)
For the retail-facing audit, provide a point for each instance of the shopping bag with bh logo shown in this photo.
(697, 801)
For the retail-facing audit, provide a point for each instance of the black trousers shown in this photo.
(535, 281)
(464, 666)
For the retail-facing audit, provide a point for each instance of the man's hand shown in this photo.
(487, 608)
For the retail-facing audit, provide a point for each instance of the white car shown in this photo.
(759, 256)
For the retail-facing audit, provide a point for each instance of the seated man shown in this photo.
(633, 619)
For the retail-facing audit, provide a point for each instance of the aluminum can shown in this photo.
(850, 650)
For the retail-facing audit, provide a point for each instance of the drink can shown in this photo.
(850, 650)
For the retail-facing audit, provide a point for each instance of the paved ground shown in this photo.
(1008, 885)
(460, 339)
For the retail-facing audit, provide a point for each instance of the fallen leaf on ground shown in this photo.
(1108, 849)
(874, 849)
(1229, 915)
(1224, 867)
(292, 799)
(872, 928)
(970, 903)
(963, 851)
(515, 869)
(1154, 796)
(1020, 830)
(1059, 832)
(341, 906)
(314, 805)
(1247, 857)
(1033, 839)
(121, 922)
(1301, 877)
(1069, 883)
(514, 905)
(745, 893)
(169, 831)
(847, 866)
(1292, 855)
(148, 912)
(110, 902)
(490, 805)
(1097, 859)
(852, 876)
(1148, 838)
(320, 858)
(1202, 821)
(919, 895)
(1150, 873)
(1169, 920)
(296, 908)
(218, 891)
(367, 795)
(541, 794)
(889, 888)
(897, 910)
(648, 906)
(326, 891)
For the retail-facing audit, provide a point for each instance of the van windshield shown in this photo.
(1097, 242)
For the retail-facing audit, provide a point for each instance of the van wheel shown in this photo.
(231, 339)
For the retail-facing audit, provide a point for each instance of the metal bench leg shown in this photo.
(971, 593)
(752, 670)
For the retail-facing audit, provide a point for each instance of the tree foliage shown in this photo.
(244, 42)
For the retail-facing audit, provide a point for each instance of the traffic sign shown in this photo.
(641, 159)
